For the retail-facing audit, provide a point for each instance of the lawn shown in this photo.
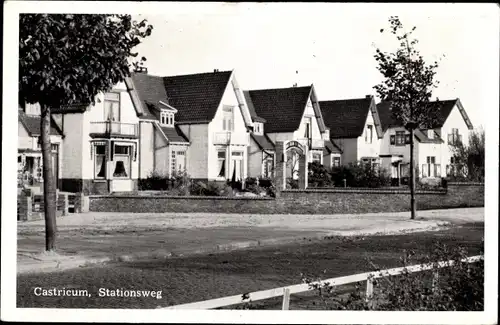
(196, 278)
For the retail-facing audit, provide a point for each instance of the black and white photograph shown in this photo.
(220, 162)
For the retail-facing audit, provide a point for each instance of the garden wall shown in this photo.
(319, 201)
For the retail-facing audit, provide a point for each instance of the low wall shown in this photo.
(310, 201)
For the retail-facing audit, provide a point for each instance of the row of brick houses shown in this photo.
(209, 127)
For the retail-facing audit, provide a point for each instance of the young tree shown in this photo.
(408, 83)
(67, 59)
(469, 160)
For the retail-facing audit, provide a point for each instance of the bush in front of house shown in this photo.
(319, 175)
(459, 286)
(154, 182)
(360, 175)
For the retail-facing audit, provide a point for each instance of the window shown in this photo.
(316, 157)
(308, 131)
(268, 166)
(166, 118)
(228, 118)
(399, 139)
(259, 128)
(431, 169)
(99, 161)
(112, 107)
(369, 134)
(54, 147)
(454, 137)
(121, 158)
(335, 161)
(430, 134)
(221, 163)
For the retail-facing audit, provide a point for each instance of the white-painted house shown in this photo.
(29, 157)
(355, 128)
(433, 154)
(206, 132)
(286, 114)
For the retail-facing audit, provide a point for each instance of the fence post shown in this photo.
(369, 291)
(286, 299)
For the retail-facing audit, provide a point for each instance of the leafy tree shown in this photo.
(469, 160)
(67, 59)
(408, 83)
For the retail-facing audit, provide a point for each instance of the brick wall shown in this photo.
(319, 201)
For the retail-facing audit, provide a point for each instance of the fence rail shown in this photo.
(285, 292)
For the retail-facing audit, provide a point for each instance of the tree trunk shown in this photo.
(413, 206)
(49, 188)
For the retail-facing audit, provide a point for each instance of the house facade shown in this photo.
(29, 152)
(355, 129)
(433, 146)
(198, 124)
(281, 115)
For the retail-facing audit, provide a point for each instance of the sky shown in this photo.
(331, 45)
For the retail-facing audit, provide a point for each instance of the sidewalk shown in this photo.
(94, 238)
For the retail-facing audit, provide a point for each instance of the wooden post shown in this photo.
(286, 299)
(369, 290)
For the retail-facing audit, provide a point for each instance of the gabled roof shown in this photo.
(331, 147)
(251, 109)
(422, 137)
(282, 108)
(196, 96)
(150, 90)
(174, 134)
(263, 141)
(346, 118)
(444, 106)
(32, 125)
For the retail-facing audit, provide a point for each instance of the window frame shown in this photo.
(106, 100)
(400, 138)
(128, 155)
(222, 166)
(104, 161)
(228, 118)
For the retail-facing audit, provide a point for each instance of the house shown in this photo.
(101, 143)
(198, 123)
(29, 157)
(285, 114)
(433, 153)
(355, 128)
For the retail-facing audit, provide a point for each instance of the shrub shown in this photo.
(318, 175)
(154, 182)
(265, 182)
(207, 189)
(458, 287)
(292, 183)
(360, 175)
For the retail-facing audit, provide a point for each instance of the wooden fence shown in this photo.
(285, 292)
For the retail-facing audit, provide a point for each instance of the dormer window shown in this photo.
(430, 134)
(258, 128)
(166, 118)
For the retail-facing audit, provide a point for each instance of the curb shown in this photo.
(59, 265)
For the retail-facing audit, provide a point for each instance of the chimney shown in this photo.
(295, 85)
(141, 69)
(216, 70)
(368, 96)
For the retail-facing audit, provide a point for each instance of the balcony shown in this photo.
(110, 129)
(227, 138)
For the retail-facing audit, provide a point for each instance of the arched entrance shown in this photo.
(292, 163)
